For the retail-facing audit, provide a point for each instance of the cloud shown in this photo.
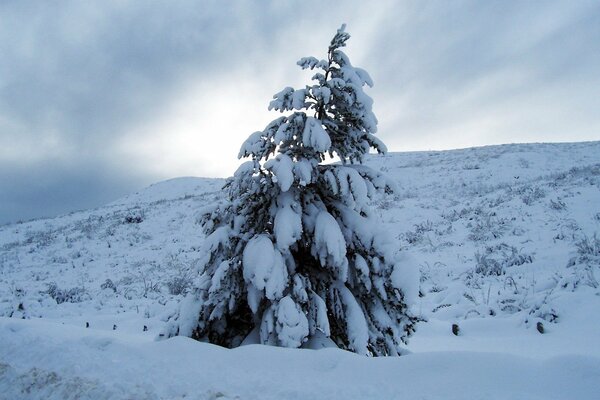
(49, 188)
(151, 90)
(473, 73)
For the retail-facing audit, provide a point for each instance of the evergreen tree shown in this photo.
(295, 252)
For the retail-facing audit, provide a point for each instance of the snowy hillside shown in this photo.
(507, 240)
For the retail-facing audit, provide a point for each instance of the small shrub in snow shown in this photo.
(558, 205)
(90, 226)
(495, 259)
(295, 251)
(487, 227)
(585, 266)
(425, 226)
(72, 295)
(182, 275)
(386, 204)
(453, 215)
(413, 237)
(108, 284)
(523, 163)
(471, 166)
(487, 265)
(17, 292)
(588, 249)
(500, 199)
(530, 195)
(41, 239)
(178, 285)
(417, 234)
(544, 311)
(148, 284)
(134, 216)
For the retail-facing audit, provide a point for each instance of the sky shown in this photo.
(100, 99)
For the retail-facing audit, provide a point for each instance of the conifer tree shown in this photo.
(295, 252)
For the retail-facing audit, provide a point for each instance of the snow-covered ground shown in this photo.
(507, 239)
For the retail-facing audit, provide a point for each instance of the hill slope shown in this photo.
(504, 237)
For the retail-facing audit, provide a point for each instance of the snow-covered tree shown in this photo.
(295, 252)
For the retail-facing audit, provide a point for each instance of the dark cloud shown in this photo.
(76, 77)
(48, 188)
(87, 70)
(80, 79)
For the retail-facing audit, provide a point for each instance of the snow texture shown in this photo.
(329, 243)
(282, 167)
(315, 136)
(292, 325)
(406, 276)
(288, 223)
(358, 332)
(264, 267)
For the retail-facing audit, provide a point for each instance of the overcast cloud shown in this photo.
(99, 99)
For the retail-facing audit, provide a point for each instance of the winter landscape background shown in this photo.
(505, 239)
(492, 253)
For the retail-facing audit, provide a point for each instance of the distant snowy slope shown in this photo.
(172, 189)
(507, 240)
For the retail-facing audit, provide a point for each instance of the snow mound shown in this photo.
(83, 364)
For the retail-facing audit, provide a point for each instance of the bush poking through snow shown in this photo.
(586, 264)
(178, 285)
(134, 216)
(530, 195)
(558, 205)
(295, 251)
(109, 284)
(588, 249)
(495, 259)
(487, 227)
(73, 295)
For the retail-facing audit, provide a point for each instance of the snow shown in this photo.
(282, 167)
(292, 325)
(330, 243)
(251, 145)
(315, 136)
(358, 332)
(86, 364)
(303, 171)
(321, 322)
(190, 307)
(288, 223)
(405, 276)
(258, 260)
(264, 267)
(542, 200)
